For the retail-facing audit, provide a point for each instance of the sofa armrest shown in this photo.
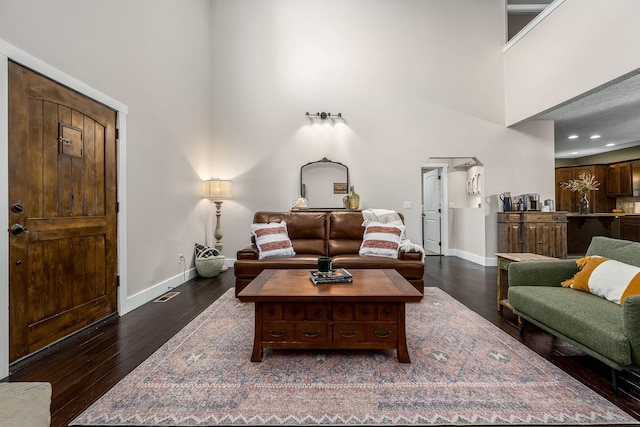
(631, 325)
(409, 256)
(250, 252)
(541, 273)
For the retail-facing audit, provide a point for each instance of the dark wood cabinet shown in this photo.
(569, 201)
(619, 181)
(630, 228)
(565, 199)
(582, 228)
(542, 233)
(635, 178)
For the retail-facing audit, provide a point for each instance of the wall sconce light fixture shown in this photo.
(323, 116)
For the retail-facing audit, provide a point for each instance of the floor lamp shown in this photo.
(217, 190)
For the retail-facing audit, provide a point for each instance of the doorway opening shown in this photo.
(434, 211)
(452, 202)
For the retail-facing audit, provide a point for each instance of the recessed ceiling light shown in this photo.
(573, 136)
(611, 144)
(594, 136)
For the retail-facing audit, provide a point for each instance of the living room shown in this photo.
(219, 89)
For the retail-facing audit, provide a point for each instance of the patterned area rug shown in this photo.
(464, 370)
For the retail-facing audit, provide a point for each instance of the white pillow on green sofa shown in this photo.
(606, 278)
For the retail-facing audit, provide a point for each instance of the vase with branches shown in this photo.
(583, 184)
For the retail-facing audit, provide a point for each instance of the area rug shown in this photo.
(464, 370)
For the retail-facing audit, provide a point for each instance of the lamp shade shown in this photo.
(216, 189)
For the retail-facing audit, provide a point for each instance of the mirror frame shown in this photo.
(323, 160)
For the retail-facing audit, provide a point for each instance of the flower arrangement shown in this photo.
(585, 182)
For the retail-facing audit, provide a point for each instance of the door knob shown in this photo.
(18, 229)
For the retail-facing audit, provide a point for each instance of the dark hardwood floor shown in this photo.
(86, 365)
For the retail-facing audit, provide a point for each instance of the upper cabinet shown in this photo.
(569, 201)
(635, 177)
(619, 180)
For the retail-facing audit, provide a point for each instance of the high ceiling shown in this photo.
(611, 111)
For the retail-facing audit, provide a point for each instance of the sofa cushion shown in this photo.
(592, 321)
(408, 269)
(307, 230)
(345, 233)
(606, 278)
(381, 239)
(272, 240)
(251, 268)
(618, 249)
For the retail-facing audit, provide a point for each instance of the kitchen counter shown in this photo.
(596, 215)
(582, 227)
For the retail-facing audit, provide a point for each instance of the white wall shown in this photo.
(414, 80)
(581, 45)
(219, 88)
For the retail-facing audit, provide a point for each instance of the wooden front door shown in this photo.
(62, 211)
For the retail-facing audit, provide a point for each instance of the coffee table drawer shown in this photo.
(342, 311)
(366, 311)
(382, 333)
(278, 331)
(272, 311)
(294, 311)
(316, 311)
(311, 332)
(387, 312)
(349, 332)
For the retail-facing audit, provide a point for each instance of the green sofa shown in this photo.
(605, 330)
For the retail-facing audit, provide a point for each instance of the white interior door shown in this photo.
(432, 211)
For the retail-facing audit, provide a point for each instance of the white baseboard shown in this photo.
(149, 294)
(477, 259)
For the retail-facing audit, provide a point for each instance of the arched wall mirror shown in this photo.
(324, 184)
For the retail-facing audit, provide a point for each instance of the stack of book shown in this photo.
(339, 275)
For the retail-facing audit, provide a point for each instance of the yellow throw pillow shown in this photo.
(606, 278)
(580, 262)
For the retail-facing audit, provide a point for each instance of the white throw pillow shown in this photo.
(272, 240)
(381, 239)
(606, 278)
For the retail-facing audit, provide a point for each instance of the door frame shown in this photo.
(444, 202)
(8, 51)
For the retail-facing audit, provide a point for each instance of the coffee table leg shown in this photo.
(403, 351)
(256, 356)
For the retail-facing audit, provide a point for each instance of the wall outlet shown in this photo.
(181, 258)
(407, 205)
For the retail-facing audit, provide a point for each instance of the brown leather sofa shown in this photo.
(337, 234)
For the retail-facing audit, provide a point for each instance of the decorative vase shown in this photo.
(584, 204)
(354, 199)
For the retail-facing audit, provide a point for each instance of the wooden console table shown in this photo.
(504, 259)
(292, 312)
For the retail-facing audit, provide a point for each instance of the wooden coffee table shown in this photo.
(292, 312)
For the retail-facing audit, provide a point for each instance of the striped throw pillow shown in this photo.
(381, 239)
(606, 278)
(272, 240)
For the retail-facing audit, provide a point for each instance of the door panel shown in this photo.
(431, 211)
(62, 169)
